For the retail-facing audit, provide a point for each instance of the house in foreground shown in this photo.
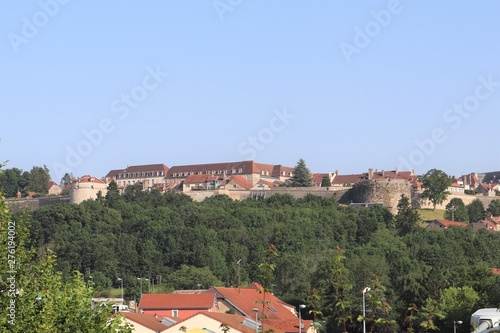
(177, 305)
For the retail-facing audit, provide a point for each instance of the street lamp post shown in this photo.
(256, 310)
(455, 323)
(367, 289)
(121, 284)
(301, 306)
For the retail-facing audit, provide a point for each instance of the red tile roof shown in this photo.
(145, 320)
(347, 179)
(246, 299)
(88, 179)
(288, 326)
(139, 168)
(197, 179)
(177, 301)
(318, 178)
(265, 182)
(50, 184)
(447, 223)
(495, 271)
(241, 182)
(239, 168)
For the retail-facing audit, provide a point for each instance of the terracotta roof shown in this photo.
(448, 223)
(488, 224)
(50, 184)
(139, 168)
(317, 178)
(241, 182)
(265, 182)
(288, 326)
(88, 179)
(176, 301)
(242, 167)
(347, 179)
(246, 299)
(196, 179)
(145, 320)
(495, 271)
(494, 219)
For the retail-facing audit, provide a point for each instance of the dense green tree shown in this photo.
(458, 303)
(475, 210)
(301, 175)
(494, 207)
(13, 181)
(39, 178)
(456, 211)
(407, 218)
(35, 297)
(191, 277)
(325, 182)
(66, 179)
(435, 184)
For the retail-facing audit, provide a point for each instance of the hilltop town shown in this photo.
(243, 179)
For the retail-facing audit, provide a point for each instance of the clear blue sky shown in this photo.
(346, 85)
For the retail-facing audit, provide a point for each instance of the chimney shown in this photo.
(370, 174)
(396, 170)
(336, 172)
(383, 173)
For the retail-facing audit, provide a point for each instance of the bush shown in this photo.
(470, 192)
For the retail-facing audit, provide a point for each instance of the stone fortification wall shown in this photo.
(15, 205)
(385, 191)
(418, 202)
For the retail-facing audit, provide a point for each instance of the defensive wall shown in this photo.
(418, 202)
(15, 204)
(385, 191)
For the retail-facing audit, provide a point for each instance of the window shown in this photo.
(175, 313)
(240, 170)
(152, 181)
(143, 174)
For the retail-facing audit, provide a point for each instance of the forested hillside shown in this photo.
(323, 246)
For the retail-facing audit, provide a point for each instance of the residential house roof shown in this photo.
(347, 179)
(246, 299)
(288, 326)
(318, 178)
(50, 184)
(151, 322)
(177, 301)
(139, 168)
(447, 223)
(229, 168)
(239, 181)
(494, 219)
(495, 271)
(199, 179)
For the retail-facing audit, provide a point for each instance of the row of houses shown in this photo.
(217, 309)
(253, 176)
